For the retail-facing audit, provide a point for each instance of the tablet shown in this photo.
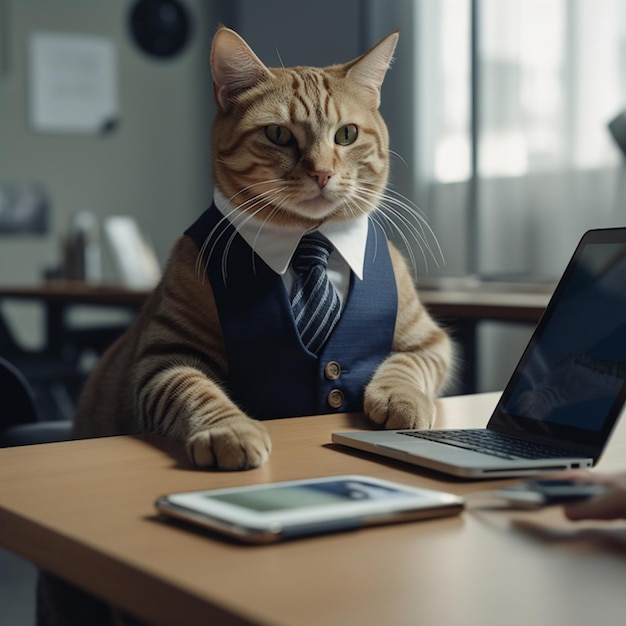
(276, 511)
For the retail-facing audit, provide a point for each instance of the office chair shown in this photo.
(19, 420)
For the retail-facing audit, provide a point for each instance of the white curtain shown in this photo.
(550, 75)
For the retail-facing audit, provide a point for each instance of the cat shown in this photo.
(293, 150)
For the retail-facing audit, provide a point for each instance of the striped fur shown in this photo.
(168, 373)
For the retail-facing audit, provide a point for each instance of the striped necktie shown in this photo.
(314, 301)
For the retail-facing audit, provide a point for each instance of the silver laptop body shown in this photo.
(566, 393)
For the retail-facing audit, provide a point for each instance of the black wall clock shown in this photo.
(161, 28)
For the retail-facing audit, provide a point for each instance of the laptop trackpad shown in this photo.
(422, 448)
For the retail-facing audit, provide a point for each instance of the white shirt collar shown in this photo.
(277, 244)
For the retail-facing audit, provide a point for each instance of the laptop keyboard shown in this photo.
(490, 442)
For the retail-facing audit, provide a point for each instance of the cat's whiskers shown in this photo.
(275, 210)
(243, 218)
(353, 209)
(202, 259)
(394, 210)
(399, 156)
(271, 181)
(384, 223)
(387, 217)
(238, 216)
(387, 208)
(222, 225)
(415, 218)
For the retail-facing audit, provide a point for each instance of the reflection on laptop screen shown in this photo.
(574, 374)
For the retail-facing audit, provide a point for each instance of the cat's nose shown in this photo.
(322, 177)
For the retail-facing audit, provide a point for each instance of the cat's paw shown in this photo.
(236, 443)
(398, 408)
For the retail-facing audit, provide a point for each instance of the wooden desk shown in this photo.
(84, 511)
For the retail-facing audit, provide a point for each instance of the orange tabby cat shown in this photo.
(296, 149)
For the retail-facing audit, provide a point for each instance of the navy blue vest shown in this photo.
(270, 373)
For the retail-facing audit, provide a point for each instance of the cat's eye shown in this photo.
(280, 135)
(346, 135)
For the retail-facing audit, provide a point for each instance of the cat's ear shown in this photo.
(369, 69)
(234, 65)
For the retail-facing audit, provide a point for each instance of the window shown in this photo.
(550, 73)
(524, 120)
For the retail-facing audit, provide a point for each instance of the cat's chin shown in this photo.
(315, 209)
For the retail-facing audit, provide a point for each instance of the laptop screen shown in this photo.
(570, 380)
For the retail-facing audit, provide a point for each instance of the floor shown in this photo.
(17, 590)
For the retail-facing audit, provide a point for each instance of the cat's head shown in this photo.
(299, 144)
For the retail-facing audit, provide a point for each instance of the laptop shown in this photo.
(564, 397)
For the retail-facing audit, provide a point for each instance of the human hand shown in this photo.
(609, 505)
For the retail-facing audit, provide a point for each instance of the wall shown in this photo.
(284, 32)
(154, 166)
